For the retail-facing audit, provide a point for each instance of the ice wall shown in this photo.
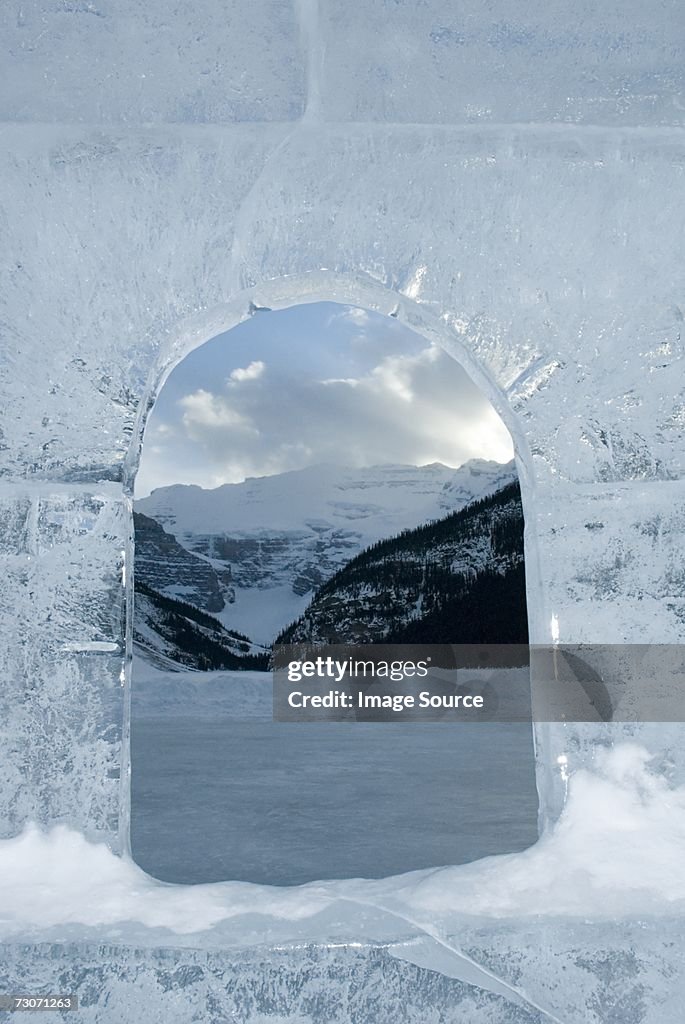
(509, 180)
(434, 62)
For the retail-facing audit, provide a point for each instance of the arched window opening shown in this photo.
(319, 474)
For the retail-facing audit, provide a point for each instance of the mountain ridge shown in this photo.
(270, 542)
(459, 579)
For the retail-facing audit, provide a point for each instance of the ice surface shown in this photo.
(546, 256)
(613, 63)
(494, 926)
(579, 869)
(220, 790)
(176, 692)
(580, 973)
(61, 721)
(612, 567)
(299, 985)
(221, 61)
(384, 60)
(580, 353)
(285, 803)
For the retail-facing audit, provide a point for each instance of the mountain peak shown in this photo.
(272, 540)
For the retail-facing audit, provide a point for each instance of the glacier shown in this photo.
(506, 180)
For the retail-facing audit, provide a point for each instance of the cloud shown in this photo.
(316, 397)
(416, 408)
(350, 314)
(350, 381)
(397, 374)
(162, 430)
(205, 411)
(251, 372)
(413, 408)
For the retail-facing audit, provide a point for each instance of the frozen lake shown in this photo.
(221, 791)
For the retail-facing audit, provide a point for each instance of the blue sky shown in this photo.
(310, 384)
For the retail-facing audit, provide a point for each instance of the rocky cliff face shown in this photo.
(169, 568)
(300, 559)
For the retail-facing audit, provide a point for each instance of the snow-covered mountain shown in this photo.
(272, 541)
(168, 632)
(459, 579)
(169, 568)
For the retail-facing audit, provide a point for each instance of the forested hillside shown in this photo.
(174, 630)
(459, 579)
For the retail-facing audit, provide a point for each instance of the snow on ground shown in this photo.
(262, 613)
(158, 690)
(617, 851)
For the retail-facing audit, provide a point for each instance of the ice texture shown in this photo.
(353, 984)
(546, 258)
(417, 62)
(507, 179)
(578, 869)
(571, 930)
(61, 724)
(578, 974)
(126, 62)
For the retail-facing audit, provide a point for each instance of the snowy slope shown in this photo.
(280, 537)
(459, 579)
(166, 631)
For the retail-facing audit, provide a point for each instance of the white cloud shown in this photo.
(164, 430)
(358, 327)
(415, 408)
(351, 314)
(357, 316)
(350, 381)
(394, 377)
(204, 410)
(396, 398)
(251, 372)
(396, 373)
